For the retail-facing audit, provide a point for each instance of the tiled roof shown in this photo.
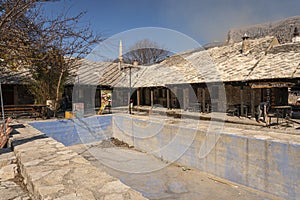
(97, 73)
(280, 62)
(14, 77)
(225, 63)
(232, 65)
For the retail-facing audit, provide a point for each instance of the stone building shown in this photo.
(236, 76)
(14, 87)
(261, 70)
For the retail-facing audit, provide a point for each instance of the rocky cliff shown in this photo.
(283, 29)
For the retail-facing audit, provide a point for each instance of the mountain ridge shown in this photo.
(283, 29)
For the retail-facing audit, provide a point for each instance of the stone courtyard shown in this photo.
(51, 170)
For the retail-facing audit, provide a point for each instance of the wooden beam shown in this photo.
(274, 84)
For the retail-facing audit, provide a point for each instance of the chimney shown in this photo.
(296, 35)
(120, 52)
(245, 44)
(135, 63)
(120, 55)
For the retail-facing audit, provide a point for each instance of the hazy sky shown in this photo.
(203, 20)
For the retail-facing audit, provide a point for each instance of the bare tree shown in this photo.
(12, 10)
(17, 22)
(12, 37)
(48, 47)
(65, 41)
(146, 52)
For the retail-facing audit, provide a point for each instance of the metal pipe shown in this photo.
(2, 109)
(130, 89)
(2, 106)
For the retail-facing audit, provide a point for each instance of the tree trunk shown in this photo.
(57, 91)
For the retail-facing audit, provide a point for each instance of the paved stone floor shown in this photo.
(11, 187)
(10, 190)
(166, 182)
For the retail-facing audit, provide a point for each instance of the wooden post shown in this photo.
(185, 98)
(152, 97)
(252, 102)
(203, 99)
(174, 102)
(242, 100)
(168, 98)
(138, 96)
(199, 95)
(15, 95)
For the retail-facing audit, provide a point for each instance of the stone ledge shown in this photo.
(8, 172)
(53, 171)
(7, 157)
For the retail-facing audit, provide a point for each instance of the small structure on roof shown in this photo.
(245, 44)
(296, 35)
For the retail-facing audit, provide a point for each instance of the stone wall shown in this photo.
(261, 162)
(252, 158)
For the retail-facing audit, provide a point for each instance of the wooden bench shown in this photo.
(29, 110)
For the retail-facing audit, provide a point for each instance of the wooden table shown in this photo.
(281, 111)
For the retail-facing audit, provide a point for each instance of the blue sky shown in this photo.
(203, 20)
